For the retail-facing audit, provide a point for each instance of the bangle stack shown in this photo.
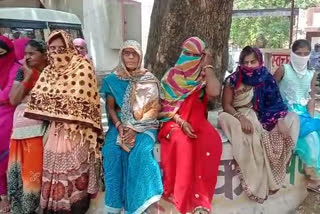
(180, 121)
(118, 123)
(207, 66)
(237, 115)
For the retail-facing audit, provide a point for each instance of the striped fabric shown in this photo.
(181, 80)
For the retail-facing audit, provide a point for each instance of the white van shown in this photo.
(36, 23)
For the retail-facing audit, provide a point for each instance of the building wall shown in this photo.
(19, 3)
(103, 30)
(71, 6)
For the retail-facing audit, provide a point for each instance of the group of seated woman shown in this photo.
(57, 130)
(262, 115)
(266, 118)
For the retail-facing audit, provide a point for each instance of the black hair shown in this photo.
(301, 43)
(39, 45)
(246, 51)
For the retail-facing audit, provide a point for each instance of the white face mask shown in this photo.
(299, 63)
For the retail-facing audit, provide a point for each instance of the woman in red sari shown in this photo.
(190, 147)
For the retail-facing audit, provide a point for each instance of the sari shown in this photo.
(261, 157)
(190, 166)
(66, 95)
(133, 179)
(8, 70)
(25, 158)
(295, 90)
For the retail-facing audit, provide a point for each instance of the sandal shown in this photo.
(4, 204)
(314, 189)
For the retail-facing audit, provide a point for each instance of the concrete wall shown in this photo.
(71, 6)
(19, 3)
(103, 31)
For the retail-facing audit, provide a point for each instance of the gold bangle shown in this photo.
(208, 66)
(118, 123)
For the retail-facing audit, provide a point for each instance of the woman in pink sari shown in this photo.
(8, 69)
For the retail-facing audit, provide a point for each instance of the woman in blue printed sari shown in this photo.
(132, 175)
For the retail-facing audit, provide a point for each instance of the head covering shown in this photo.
(141, 100)
(267, 100)
(81, 42)
(67, 91)
(7, 60)
(19, 48)
(121, 70)
(181, 80)
(299, 63)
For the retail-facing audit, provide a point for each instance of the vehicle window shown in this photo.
(75, 33)
(18, 33)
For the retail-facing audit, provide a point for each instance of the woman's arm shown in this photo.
(4, 94)
(311, 103)
(17, 93)
(213, 85)
(111, 109)
(278, 74)
(227, 98)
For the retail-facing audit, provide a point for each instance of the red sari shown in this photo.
(190, 166)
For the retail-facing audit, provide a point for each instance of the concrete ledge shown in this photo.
(229, 197)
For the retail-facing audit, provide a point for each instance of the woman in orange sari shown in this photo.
(190, 147)
(26, 146)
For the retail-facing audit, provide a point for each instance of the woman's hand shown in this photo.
(207, 59)
(27, 72)
(246, 125)
(188, 130)
(129, 136)
(282, 128)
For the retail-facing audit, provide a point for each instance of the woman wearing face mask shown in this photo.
(8, 69)
(66, 95)
(297, 86)
(190, 147)
(26, 146)
(257, 123)
(132, 175)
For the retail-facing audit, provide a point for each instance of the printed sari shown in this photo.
(133, 180)
(66, 95)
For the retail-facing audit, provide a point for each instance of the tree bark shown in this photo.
(173, 21)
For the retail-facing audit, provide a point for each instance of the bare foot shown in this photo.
(4, 204)
(200, 210)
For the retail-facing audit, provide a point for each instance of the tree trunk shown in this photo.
(173, 21)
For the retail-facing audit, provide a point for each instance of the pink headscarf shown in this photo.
(6, 61)
(82, 43)
(19, 47)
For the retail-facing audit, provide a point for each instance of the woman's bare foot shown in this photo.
(200, 210)
(4, 204)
